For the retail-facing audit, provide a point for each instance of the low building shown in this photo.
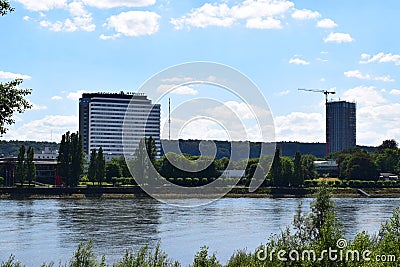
(327, 167)
(388, 176)
(45, 170)
(232, 173)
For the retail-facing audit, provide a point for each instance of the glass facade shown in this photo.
(340, 125)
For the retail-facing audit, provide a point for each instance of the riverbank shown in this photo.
(137, 192)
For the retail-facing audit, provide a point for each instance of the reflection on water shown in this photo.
(38, 231)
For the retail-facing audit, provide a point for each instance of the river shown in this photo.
(45, 230)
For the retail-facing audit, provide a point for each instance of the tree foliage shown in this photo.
(12, 100)
(30, 166)
(20, 171)
(5, 7)
(100, 166)
(70, 158)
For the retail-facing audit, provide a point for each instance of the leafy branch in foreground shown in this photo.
(5, 7)
(12, 100)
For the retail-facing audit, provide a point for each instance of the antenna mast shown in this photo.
(169, 118)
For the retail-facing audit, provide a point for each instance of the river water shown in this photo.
(38, 231)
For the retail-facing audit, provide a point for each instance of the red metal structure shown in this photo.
(58, 181)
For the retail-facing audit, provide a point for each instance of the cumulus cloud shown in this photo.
(394, 92)
(284, 92)
(357, 74)
(133, 23)
(304, 14)
(81, 20)
(118, 3)
(42, 5)
(259, 23)
(326, 23)
(44, 129)
(338, 37)
(56, 98)
(380, 58)
(76, 95)
(11, 75)
(300, 126)
(263, 14)
(364, 95)
(179, 90)
(36, 106)
(298, 61)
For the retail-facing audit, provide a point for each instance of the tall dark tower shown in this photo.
(340, 125)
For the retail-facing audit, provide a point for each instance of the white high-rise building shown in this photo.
(101, 122)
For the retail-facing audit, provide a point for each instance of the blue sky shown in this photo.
(64, 47)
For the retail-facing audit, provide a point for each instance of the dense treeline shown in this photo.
(191, 147)
(315, 238)
(11, 148)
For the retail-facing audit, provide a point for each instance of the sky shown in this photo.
(62, 48)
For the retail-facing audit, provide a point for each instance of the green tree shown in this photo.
(76, 166)
(361, 167)
(92, 166)
(298, 177)
(20, 171)
(100, 166)
(144, 157)
(287, 171)
(387, 160)
(70, 158)
(112, 170)
(388, 144)
(30, 166)
(276, 170)
(11, 100)
(308, 167)
(5, 7)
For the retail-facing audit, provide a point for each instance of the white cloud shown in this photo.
(36, 106)
(298, 61)
(299, 126)
(259, 23)
(339, 37)
(381, 58)
(284, 92)
(134, 23)
(76, 95)
(10, 75)
(81, 20)
(322, 79)
(365, 96)
(42, 5)
(56, 97)
(262, 14)
(110, 37)
(304, 14)
(118, 3)
(357, 74)
(179, 90)
(45, 129)
(394, 92)
(207, 15)
(26, 18)
(326, 23)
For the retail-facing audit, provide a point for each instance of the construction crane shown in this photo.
(326, 92)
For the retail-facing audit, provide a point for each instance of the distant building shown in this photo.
(328, 167)
(340, 126)
(101, 119)
(47, 153)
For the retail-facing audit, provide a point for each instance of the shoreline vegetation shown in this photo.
(315, 232)
(236, 192)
